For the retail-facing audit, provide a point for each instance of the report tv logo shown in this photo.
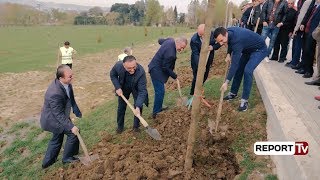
(281, 148)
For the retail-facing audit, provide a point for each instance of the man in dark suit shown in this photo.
(55, 118)
(195, 44)
(161, 68)
(309, 24)
(284, 34)
(128, 77)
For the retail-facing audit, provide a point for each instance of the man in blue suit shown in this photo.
(247, 50)
(309, 24)
(161, 68)
(55, 118)
(195, 44)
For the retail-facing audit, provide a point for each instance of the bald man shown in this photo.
(195, 44)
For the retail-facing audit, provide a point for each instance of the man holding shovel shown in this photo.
(55, 117)
(195, 44)
(161, 67)
(129, 77)
(248, 49)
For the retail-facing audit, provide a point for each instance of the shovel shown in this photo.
(152, 132)
(182, 101)
(218, 117)
(87, 159)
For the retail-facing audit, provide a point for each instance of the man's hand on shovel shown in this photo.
(137, 112)
(119, 92)
(74, 130)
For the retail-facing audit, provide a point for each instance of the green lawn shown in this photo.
(35, 48)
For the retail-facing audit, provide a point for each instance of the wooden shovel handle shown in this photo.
(83, 146)
(221, 100)
(179, 87)
(143, 122)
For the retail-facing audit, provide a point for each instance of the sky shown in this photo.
(182, 5)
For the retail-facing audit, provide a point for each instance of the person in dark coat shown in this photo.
(55, 118)
(128, 77)
(161, 68)
(195, 44)
(308, 25)
(284, 34)
(247, 50)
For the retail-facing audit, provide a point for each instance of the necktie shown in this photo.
(310, 18)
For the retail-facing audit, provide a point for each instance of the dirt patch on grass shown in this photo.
(140, 157)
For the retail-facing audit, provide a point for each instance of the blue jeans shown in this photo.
(296, 48)
(247, 65)
(159, 91)
(270, 31)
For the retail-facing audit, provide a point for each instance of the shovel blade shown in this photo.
(88, 160)
(182, 101)
(153, 133)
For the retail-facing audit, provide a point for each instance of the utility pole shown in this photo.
(198, 89)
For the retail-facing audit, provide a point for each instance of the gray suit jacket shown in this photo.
(53, 116)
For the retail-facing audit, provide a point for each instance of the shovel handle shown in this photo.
(220, 102)
(179, 87)
(143, 122)
(83, 146)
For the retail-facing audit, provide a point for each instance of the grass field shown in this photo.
(35, 48)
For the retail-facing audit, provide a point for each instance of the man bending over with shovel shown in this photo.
(195, 44)
(247, 50)
(128, 77)
(55, 117)
(161, 67)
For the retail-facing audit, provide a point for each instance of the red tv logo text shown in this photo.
(281, 148)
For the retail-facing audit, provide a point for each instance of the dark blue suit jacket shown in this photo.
(163, 62)
(195, 44)
(139, 84)
(315, 18)
(53, 117)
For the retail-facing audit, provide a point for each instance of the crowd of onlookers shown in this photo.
(283, 20)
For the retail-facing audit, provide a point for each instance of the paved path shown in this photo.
(293, 115)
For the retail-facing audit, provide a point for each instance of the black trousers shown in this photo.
(283, 41)
(71, 147)
(194, 67)
(122, 106)
(308, 53)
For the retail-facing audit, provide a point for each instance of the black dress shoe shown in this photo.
(300, 71)
(70, 160)
(119, 131)
(298, 66)
(44, 166)
(288, 63)
(315, 82)
(318, 107)
(307, 75)
(281, 61)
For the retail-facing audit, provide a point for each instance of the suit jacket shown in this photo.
(163, 62)
(315, 18)
(195, 44)
(316, 34)
(139, 83)
(279, 14)
(245, 16)
(53, 117)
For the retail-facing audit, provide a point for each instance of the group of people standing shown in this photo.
(281, 20)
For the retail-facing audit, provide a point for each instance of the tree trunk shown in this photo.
(198, 88)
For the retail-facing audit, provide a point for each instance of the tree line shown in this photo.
(142, 12)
